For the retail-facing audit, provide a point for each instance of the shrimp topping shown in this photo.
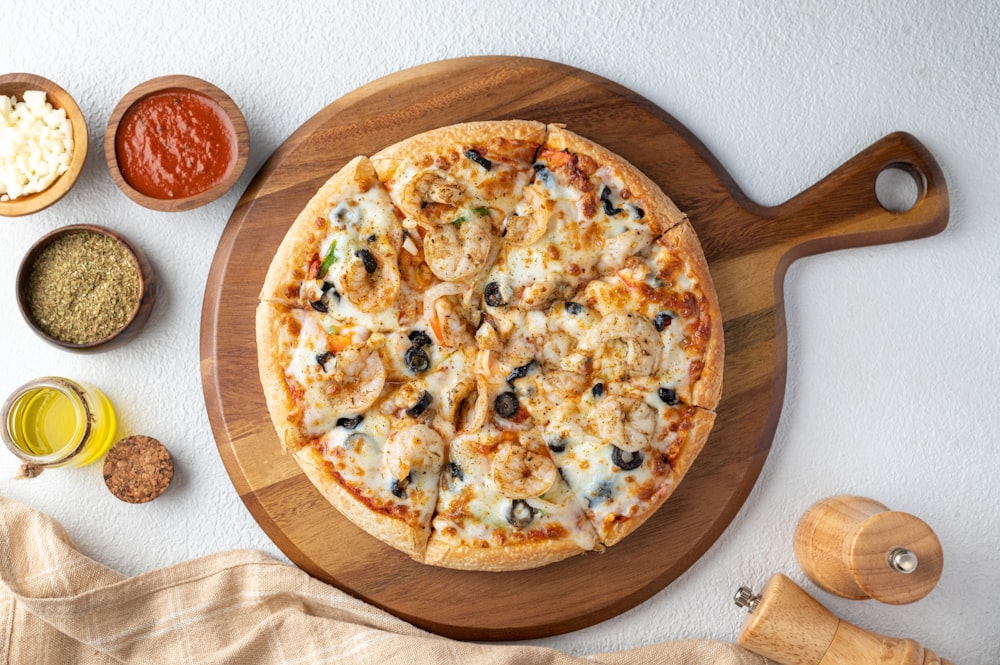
(626, 345)
(628, 424)
(622, 246)
(526, 229)
(357, 376)
(522, 469)
(415, 447)
(430, 191)
(370, 279)
(459, 250)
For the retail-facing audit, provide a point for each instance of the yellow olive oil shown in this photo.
(57, 422)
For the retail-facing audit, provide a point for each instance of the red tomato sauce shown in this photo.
(175, 144)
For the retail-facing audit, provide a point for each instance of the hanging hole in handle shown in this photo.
(898, 187)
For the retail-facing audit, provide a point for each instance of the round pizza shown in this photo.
(492, 345)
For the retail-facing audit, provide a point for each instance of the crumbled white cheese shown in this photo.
(36, 143)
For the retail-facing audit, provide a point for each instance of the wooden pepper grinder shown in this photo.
(790, 627)
(857, 548)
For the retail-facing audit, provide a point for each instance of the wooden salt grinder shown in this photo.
(790, 627)
(857, 548)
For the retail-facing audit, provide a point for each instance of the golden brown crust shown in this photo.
(618, 530)
(511, 556)
(280, 405)
(302, 240)
(701, 427)
(682, 241)
(470, 133)
(394, 532)
(661, 213)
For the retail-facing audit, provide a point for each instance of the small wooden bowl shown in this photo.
(238, 127)
(140, 313)
(16, 85)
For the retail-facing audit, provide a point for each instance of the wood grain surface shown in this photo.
(749, 248)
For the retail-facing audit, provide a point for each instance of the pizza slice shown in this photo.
(584, 212)
(503, 505)
(342, 254)
(455, 186)
(623, 451)
(380, 474)
(660, 322)
(311, 371)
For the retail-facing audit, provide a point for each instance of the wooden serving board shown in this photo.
(749, 248)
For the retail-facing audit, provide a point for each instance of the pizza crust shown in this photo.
(701, 427)
(387, 160)
(408, 538)
(280, 406)
(519, 556)
(683, 241)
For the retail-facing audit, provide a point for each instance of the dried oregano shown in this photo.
(83, 287)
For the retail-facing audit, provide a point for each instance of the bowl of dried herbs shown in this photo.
(85, 287)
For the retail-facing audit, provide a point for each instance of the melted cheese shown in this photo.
(557, 287)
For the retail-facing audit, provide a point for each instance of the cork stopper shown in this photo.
(138, 469)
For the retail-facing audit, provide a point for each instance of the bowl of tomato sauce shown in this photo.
(174, 143)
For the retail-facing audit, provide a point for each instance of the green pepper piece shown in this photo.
(328, 260)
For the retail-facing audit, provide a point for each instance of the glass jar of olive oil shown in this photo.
(54, 422)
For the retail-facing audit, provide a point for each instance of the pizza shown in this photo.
(492, 346)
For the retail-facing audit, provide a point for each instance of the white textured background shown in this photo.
(894, 358)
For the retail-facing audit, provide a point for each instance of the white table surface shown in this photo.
(894, 358)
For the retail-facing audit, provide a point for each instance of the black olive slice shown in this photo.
(597, 390)
(543, 174)
(662, 320)
(420, 406)
(319, 306)
(479, 159)
(520, 372)
(668, 395)
(558, 445)
(494, 298)
(521, 514)
(419, 338)
(398, 488)
(626, 461)
(371, 265)
(456, 471)
(605, 492)
(609, 208)
(323, 358)
(574, 308)
(350, 423)
(506, 405)
(639, 212)
(417, 360)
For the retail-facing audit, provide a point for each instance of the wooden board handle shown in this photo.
(843, 209)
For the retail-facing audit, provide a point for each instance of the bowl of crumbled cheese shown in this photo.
(43, 143)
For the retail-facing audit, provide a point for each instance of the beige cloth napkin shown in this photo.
(59, 606)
